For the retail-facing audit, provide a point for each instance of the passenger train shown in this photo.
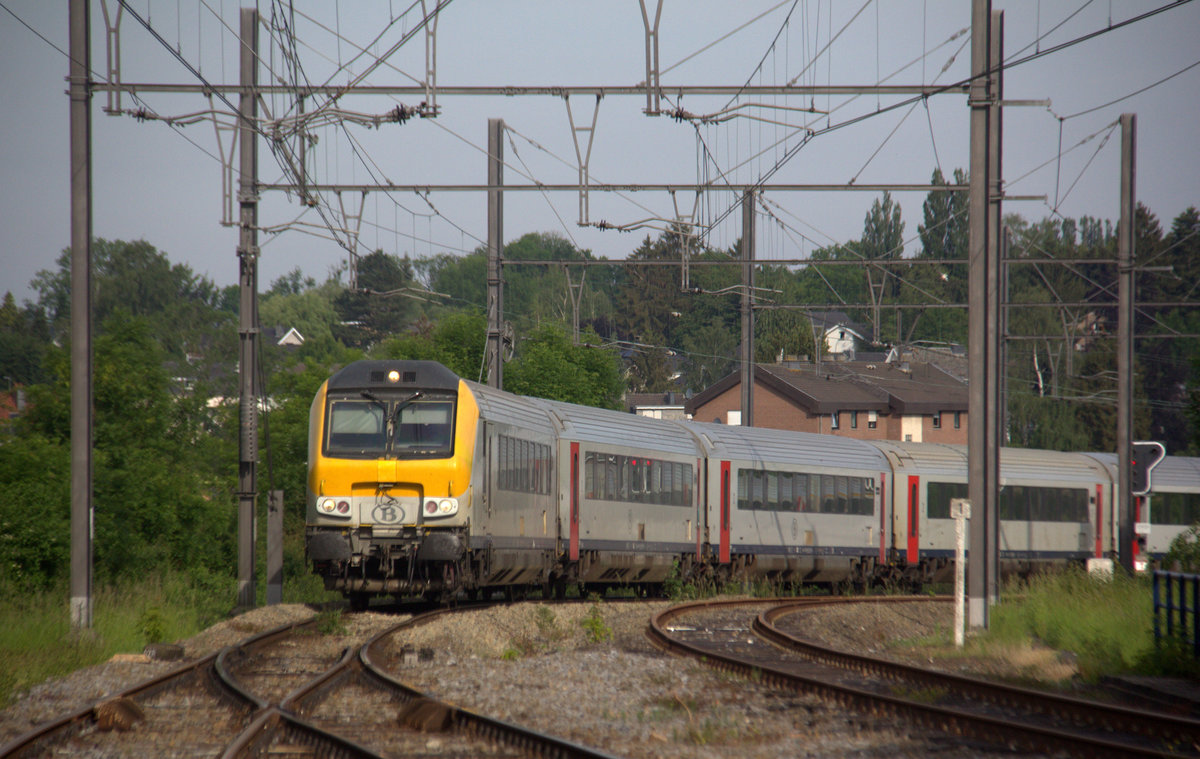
(422, 483)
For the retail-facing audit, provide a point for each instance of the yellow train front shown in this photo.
(390, 450)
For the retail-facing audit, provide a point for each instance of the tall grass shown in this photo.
(1106, 624)
(37, 643)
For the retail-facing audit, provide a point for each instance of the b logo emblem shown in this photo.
(387, 513)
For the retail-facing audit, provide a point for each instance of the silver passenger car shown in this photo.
(793, 506)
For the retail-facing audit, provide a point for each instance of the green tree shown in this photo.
(944, 236)
(463, 278)
(778, 331)
(457, 342)
(311, 312)
(647, 296)
(883, 240)
(711, 355)
(1165, 361)
(944, 232)
(549, 365)
(883, 231)
(383, 304)
(154, 503)
(24, 335)
(137, 278)
(292, 283)
(35, 551)
(650, 368)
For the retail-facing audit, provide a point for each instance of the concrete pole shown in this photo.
(1125, 298)
(977, 321)
(748, 309)
(995, 401)
(82, 511)
(248, 320)
(494, 358)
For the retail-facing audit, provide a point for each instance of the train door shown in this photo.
(914, 518)
(881, 504)
(1099, 521)
(698, 504)
(573, 516)
(724, 519)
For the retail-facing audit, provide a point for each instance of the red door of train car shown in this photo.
(914, 518)
(724, 554)
(882, 496)
(574, 518)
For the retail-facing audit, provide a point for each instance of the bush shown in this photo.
(1184, 554)
(1106, 624)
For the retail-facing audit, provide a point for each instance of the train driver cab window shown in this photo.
(416, 426)
(356, 428)
(424, 428)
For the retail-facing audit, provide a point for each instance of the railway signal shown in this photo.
(1143, 457)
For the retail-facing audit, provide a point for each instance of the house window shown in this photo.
(835, 420)
(853, 420)
(937, 420)
(957, 420)
(872, 419)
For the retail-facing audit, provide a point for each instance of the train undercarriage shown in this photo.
(440, 565)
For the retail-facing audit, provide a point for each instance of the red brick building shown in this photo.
(874, 401)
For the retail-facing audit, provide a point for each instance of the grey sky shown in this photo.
(151, 182)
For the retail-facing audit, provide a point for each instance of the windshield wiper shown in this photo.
(401, 405)
(367, 394)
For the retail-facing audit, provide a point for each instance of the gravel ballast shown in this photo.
(585, 672)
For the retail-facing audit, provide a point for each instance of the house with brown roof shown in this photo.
(911, 401)
(667, 405)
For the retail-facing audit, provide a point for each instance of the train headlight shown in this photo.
(441, 508)
(393, 376)
(333, 507)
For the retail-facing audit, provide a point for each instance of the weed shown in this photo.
(510, 654)
(547, 623)
(594, 625)
(152, 624)
(710, 731)
(330, 622)
(1170, 657)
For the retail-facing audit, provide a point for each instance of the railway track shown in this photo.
(287, 692)
(735, 636)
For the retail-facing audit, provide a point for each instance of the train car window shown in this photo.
(856, 496)
(796, 491)
(636, 479)
(785, 497)
(356, 428)
(828, 493)
(527, 467)
(1175, 508)
(1037, 504)
(938, 495)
